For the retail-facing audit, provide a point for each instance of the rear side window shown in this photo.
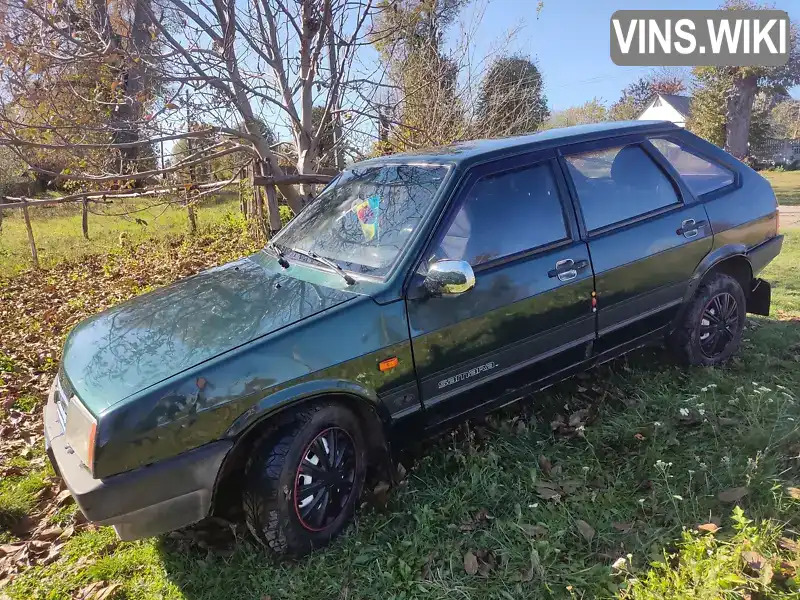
(701, 175)
(620, 183)
(505, 214)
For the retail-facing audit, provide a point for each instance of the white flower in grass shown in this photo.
(657, 423)
(684, 412)
(711, 386)
(704, 389)
(677, 497)
(703, 466)
(726, 460)
(780, 387)
(789, 396)
(702, 411)
(641, 501)
(691, 472)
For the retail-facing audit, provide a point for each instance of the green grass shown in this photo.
(643, 475)
(58, 234)
(786, 185)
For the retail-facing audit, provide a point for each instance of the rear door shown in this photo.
(646, 234)
(531, 305)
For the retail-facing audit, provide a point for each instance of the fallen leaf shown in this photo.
(67, 533)
(470, 563)
(545, 465)
(380, 494)
(548, 490)
(623, 527)
(708, 527)
(533, 530)
(570, 486)
(106, 592)
(732, 495)
(586, 530)
(757, 564)
(8, 549)
(788, 544)
(639, 437)
(64, 497)
(50, 533)
(578, 417)
(793, 492)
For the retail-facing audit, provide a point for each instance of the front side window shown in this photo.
(365, 218)
(701, 175)
(505, 214)
(616, 184)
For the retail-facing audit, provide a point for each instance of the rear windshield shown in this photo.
(365, 218)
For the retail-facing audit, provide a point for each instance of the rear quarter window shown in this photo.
(700, 174)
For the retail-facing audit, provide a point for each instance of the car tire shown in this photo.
(702, 338)
(291, 505)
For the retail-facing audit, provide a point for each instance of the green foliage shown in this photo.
(784, 120)
(410, 38)
(709, 104)
(511, 99)
(593, 111)
(706, 566)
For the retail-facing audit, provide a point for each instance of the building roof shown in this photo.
(680, 103)
(480, 149)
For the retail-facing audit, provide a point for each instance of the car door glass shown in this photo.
(505, 214)
(701, 175)
(616, 184)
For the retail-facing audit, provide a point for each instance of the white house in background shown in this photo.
(667, 107)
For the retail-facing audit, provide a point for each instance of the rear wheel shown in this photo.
(712, 326)
(304, 480)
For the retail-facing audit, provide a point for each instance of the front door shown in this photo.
(646, 235)
(530, 310)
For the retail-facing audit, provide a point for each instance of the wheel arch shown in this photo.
(731, 260)
(276, 409)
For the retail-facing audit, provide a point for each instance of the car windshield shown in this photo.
(364, 218)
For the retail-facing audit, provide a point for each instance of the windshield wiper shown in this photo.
(327, 262)
(279, 253)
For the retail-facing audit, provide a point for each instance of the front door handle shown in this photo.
(690, 228)
(568, 269)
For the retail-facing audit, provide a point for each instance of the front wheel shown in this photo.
(711, 329)
(304, 480)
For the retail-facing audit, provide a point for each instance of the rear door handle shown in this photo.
(690, 228)
(568, 269)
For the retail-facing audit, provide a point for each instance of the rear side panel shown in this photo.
(746, 215)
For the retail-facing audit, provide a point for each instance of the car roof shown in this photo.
(484, 149)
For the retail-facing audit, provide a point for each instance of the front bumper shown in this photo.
(147, 501)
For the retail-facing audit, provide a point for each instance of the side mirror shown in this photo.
(449, 278)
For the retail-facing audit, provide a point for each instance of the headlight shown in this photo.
(80, 431)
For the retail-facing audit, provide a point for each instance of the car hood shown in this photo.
(152, 337)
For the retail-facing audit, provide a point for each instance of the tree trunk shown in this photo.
(31, 241)
(273, 211)
(740, 113)
(85, 218)
(192, 217)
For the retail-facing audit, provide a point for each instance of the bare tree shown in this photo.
(242, 64)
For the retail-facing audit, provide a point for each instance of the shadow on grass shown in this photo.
(474, 489)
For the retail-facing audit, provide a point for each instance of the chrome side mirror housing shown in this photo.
(447, 278)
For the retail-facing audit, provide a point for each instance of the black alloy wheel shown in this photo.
(718, 324)
(324, 479)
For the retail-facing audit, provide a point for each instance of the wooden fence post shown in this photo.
(31, 241)
(85, 218)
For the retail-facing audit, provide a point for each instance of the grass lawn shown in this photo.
(58, 233)
(786, 185)
(508, 509)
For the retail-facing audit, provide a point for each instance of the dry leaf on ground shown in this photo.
(470, 563)
(732, 495)
(586, 530)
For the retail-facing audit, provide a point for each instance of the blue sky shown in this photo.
(570, 39)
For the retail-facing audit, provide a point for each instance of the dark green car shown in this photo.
(416, 291)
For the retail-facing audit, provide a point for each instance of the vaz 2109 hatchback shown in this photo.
(416, 291)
